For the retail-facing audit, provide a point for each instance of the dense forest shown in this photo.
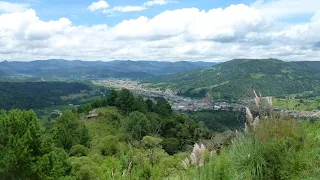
(231, 80)
(35, 95)
(122, 136)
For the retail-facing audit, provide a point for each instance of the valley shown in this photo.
(140, 127)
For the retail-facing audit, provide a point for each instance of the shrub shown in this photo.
(109, 146)
(171, 145)
(79, 150)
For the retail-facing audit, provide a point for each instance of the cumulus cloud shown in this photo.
(12, 7)
(215, 25)
(238, 31)
(125, 9)
(104, 7)
(99, 5)
(286, 8)
(158, 2)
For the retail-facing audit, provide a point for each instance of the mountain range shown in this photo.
(100, 69)
(233, 79)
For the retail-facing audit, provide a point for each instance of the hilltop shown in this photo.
(98, 69)
(232, 79)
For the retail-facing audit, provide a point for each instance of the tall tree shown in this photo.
(136, 125)
(125, 101)
(25, 153)
(163, 107)
(69, 131)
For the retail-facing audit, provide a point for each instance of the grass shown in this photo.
(296, 104)
(257, 75)
(277, 149)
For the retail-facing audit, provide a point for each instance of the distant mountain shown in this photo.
(118, 68)
(232, 79)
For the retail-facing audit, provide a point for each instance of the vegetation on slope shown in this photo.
(134, 139)
(231, 80)
(35, 95)
(277, 149)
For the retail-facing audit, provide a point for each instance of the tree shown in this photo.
(171, 145)
(85, 108)
(109, 146)
(150, 105)
(19, 143)
(163, 107)
(53, 165)
(97, 103)
(136, 125)
(151, 143)
(69, 131)
(79, 150)
(125, 101)
(25, 152)
(111, 99)
(139, 105)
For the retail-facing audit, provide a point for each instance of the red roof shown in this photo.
(204, 100)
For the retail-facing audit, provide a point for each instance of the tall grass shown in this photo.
(278, 148)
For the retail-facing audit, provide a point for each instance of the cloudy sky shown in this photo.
(206, 30)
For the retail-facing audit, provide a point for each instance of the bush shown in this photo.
(79, 150)
(109, 146)
(171, 145)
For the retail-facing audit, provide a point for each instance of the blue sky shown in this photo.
(171, 30)
(76, 10)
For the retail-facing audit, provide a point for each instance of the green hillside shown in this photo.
(37, 95)
(232, 79)
(129, 138)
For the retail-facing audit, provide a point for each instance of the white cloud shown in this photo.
(286, 8)
(158, 2)
(237, 31)
(99, 5)
(125, 9)
(214, 25)
(12, 7)
(104, 7)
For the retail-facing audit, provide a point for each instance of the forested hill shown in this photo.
(38, 95)
(77, 68)
(232, 79)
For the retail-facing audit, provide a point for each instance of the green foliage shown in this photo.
(20, 143)
(26, 153)
(53, 165)
(83, 168)
(79, 150)
(125, 101)
(111, 99)
(231, 80)
(162, 107)
(171, 145)
(109, 146)
(220, 121)
(277, 149)
(136, 125)
(300, 104)
(150, 105)
(139, 105)
(36, 95)
(69, 131)
(85, 108)
(150, 142)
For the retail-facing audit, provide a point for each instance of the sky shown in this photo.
(162, 30)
